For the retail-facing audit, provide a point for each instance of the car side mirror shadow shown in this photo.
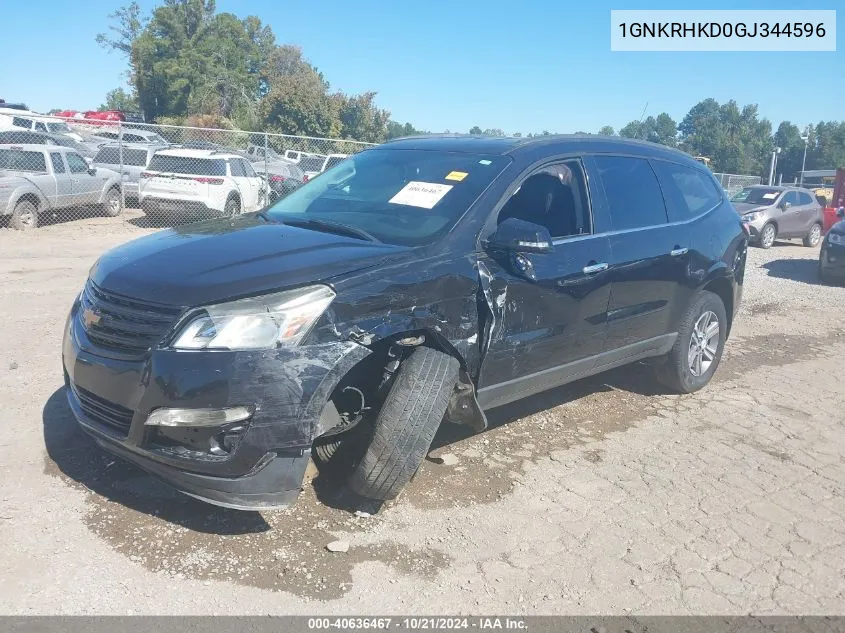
(515, 235)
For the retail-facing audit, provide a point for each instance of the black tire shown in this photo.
(676, 372)
(814, 236)
(764, 241)
(406, 424)
(823, 276)
(112, 205)
(232, 208)
(24, 217)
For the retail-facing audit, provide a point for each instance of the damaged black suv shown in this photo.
(424, 280)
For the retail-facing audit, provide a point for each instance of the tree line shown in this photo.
(189, 64)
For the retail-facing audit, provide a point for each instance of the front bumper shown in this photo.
(112, 395)
(832, 261)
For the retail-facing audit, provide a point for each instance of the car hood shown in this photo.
(745, 207)
(218, 260)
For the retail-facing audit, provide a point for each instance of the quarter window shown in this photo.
(20, 122)
(632, 191)
(237, 168)
(688, 192)
(248, 170)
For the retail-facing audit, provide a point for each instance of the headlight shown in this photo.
(836, 238)
(282, 318)
(751, 217)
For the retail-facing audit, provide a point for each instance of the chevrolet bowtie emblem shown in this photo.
(90, 317)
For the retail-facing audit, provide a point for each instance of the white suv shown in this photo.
(200, 183)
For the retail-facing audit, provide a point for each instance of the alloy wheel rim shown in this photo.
(114, 203)
(704, 344)
(815, 234)
(27, 218)
(769, 236)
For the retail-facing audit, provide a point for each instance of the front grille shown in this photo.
(122, 324)
(103, 411)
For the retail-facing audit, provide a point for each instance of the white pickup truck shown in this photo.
(39, 178)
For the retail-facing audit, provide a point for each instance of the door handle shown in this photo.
(677, 252)
(594, 268)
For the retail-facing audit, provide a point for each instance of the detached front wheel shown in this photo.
(406, 424)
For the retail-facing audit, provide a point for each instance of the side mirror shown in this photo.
(840, 212)
(516, 235)
(785, 206)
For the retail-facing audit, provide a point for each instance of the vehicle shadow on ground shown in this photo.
(78, 457)
(804, 270)
(636, 378)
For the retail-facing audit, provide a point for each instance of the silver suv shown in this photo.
(780, 212)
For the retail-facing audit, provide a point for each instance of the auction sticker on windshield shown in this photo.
(420, 194)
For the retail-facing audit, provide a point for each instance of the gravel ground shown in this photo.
(606, 496)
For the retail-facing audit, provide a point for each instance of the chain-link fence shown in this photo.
(155, 175)
(733, 183)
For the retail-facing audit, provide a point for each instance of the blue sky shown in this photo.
(446, 64)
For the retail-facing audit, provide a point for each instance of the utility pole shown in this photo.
(806, 139)
(775, 153)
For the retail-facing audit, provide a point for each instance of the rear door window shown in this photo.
(58, 163)
(791, 197)
(248, 170)
(688, 192)
(804, 198)
(632, 191)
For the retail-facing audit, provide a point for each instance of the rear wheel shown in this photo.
(232, 208)
(768, 235)
(814, 236)
(111, 205)
(698, 349)
(406, 424)
(24, 217)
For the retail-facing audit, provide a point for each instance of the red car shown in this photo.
(105, 117)
(830, 217)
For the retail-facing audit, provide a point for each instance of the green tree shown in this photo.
(661, 129)
(475, 130)
(607, 130)
(119, 99)
(361, 120)
(398, 130)
(493, 131)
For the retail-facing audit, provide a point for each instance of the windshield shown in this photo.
(59, 127)
(756, 195)
(405, 197)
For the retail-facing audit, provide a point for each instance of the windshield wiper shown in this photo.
(332, 227)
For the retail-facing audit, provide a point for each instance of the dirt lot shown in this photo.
(606, 496)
